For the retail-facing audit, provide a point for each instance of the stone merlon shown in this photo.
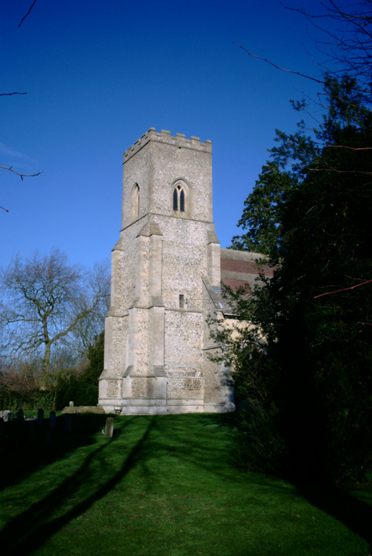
(165, 136)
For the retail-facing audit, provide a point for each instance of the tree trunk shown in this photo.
(46, 365)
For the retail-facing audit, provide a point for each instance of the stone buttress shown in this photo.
(164, 266)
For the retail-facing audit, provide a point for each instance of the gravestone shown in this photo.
(109, 427)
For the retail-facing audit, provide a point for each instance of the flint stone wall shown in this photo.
(157, 343)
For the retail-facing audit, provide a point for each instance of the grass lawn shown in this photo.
(163, 485)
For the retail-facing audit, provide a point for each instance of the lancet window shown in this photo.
(179, 198)
(135, 201)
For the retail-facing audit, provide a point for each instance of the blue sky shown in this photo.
(98, 74)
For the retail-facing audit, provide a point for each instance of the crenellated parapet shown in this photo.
(164, 136)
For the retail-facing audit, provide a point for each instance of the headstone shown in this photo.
(40, 415)
(52, 420)
(71, 404)
(6, 415)
(109, 427)
(67, 422)
(20, 415)
(52, 426)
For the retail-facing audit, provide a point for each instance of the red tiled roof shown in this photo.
(242, 268)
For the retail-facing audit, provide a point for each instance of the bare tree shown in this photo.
(348, 41)
(347, 44)
(45, 301)
(87, 329)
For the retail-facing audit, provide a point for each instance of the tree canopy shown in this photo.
(47, 303)
(304, 366)
(295, 156)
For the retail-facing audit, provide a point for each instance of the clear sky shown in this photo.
(99, 73)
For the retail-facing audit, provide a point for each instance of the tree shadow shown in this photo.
(32, 528)
(202, 445)
(28, 446)
(355, 514)
(339, 504)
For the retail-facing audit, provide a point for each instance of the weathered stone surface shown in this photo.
(82, 409)
(157, 344)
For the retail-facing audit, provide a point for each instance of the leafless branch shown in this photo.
(358, 20)
(350, 46)
(349, 148)
(4, 209)
(19, 174)
(25, 16)
(339, 290)
(336, 171)
(280, 68)
(12, 93)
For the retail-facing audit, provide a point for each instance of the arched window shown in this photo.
(135, 201)
(179, 198)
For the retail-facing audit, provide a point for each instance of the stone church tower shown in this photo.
(166, 275)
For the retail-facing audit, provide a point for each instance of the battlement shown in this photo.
(164, 136)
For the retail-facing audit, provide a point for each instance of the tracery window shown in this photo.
(179, 198)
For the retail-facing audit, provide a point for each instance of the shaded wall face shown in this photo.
(137, 173)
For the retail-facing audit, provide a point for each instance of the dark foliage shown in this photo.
(82, 387)
(20, 388)
(309, 414)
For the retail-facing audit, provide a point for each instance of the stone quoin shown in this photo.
(167, 271)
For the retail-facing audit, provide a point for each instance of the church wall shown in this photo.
(138, 170)
(131, 268)
(194, 169)
(184, 261)
(115, 353)
(157, 350)
(183, 342)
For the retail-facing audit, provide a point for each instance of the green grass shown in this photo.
(164, 485)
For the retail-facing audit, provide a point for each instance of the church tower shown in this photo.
(165, 268)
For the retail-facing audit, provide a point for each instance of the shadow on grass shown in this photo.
(30, 445)
(196, 440)
(32, 528)
(340, 504)
(206, 441)
(355, 514)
